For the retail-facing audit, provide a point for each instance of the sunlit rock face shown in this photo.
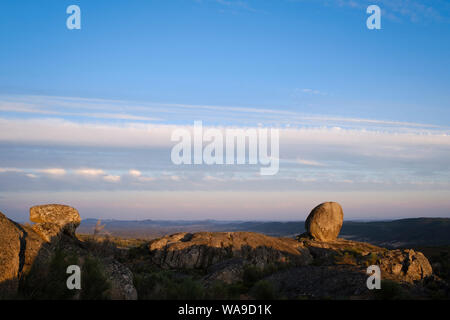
(204, 249)
(53, 219)
(325, 221)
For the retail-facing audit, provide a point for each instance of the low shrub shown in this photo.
(94, 284)
(264, 290)
(47, 279)
(390, 290)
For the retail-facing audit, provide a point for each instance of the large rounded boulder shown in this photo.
(325, 221)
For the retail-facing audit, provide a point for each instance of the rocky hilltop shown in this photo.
(24, 247)
(316, 264)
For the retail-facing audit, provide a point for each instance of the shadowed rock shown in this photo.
(19, 246)
(325, 221)
(121, 280)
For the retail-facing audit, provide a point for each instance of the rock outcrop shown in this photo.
(121, 280)
(53, 219)
(228, 271)
(224, 255)
(316, 265)
(204, 249)
(339, 270)
(405, 265)
(10, 254)
(325, 221)
(21, 246)
(401, 264)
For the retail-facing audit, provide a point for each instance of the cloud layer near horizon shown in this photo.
(48, 145)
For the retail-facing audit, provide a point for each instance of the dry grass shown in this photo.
(346, 258)
(119, 242)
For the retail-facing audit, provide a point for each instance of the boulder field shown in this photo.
(316, 263)
(318, 251)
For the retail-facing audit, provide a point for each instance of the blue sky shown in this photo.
(86, 115)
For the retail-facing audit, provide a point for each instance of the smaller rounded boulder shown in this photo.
(325, 221)
(52, 219)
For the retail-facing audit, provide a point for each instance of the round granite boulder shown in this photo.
(325, 221)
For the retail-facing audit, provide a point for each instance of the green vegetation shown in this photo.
(349, 256)
(371, 259)
(253, 274)
(163, 284)
(119, 242)
(101, 247)
(390, 290)
(155, 283)
(439, 258)
(137, 252)
(224, 291)
(94, 285)
(345, 258)
(47, 280)
(264, 290)
(354, 256)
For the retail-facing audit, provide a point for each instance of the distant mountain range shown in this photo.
(396, 233)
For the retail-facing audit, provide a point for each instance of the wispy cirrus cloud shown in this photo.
(132, 113)
(312, 91)
(31, 109)
(232, 6)
(415, 11)
(310, 162)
